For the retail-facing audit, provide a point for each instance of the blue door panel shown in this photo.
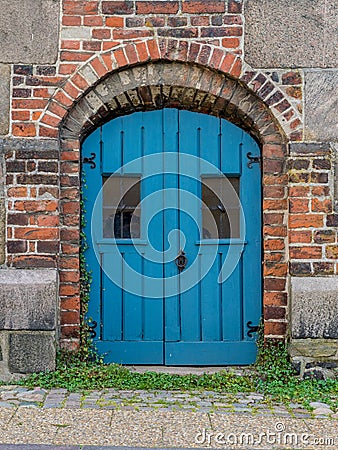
(161, 315)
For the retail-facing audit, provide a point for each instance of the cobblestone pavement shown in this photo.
(195, 401)
(158, 419)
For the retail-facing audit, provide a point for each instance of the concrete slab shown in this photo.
(314, 307)
(5, 73)
(29, 31)
(321, 105)
(28, 299)
(290, 33)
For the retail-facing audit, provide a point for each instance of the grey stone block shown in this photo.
(290, 33)
(321, 105)
(28, 299)
(29, 31)
(314, 307)
(5, 74)
(31, 352)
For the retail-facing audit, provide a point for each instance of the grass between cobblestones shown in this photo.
(272, 376)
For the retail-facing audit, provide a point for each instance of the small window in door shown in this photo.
(220, 208)
(121, 207)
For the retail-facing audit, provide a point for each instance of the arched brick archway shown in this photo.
(156, 82)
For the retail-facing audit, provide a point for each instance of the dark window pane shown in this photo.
(221, 208)
(121, 211)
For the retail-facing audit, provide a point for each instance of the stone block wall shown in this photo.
(28, 321)
(286, 60)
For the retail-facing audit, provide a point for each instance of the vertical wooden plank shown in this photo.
(190, 144)
(232, 299)
(133, 304)
(153, 327)
(252, 268)
(112, 138)
(230, 154)
(112, 301)
(92, 182)
(210, 299)
(171, 223)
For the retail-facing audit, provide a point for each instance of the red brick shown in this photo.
(157, 7)
(230, 42)
(275, 298)
(299, 205)
(69, 263)
(33, 261)
(131, 54)
(275, 270)
(82, 7)
(93, 21)
(99, 68)
(75, 56)
(299, 191)
(274, 284)
(41, 92)
(274, 312)
(115, 22)
(17, 192)
(332, 251)
(70, 303)
(50, 120)
(71, 90)
(273, 218)
(72, 21)
(153, 49)
(48, 132)
(29, 103)
(275, 328)
(277, 192)
(24, 129)
(274, 204)
(60, 97)
(122, 34)
(120, 57)
(101, 33)
(69, 290)
(206, 6)
(300, 237)
(306, 220)
(274, 244)
(36, 233)
(321, 205)
(274, 231)
(20, 115)
(70, 332)
(47, 221)
(70, 45)
(142, 52)
(320, 191)
(310, 252)
(227, 62)
(80, 82)
(94, 46)
(118, 7)
(236, 69)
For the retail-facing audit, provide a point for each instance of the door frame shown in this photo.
(253, 115)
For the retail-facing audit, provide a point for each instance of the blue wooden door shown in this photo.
(173, 223)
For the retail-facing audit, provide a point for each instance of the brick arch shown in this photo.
(134, 54)
(166, 81)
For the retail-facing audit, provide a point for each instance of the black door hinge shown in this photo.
(87, 160)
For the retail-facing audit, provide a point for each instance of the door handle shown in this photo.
(181, 260)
